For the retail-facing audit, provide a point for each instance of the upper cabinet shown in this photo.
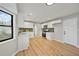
(45, 24)
(49, 25)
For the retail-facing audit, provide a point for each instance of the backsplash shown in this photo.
(48, 29)
(25, 30)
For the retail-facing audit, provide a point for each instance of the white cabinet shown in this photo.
(50, 25)
(50, 35)
(58, 31)
(31, 34)
(44, 24)
(23, 41)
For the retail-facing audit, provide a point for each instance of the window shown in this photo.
(6, 26)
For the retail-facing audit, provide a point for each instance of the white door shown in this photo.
(69, 27)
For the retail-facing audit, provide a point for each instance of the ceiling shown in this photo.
(40, 12)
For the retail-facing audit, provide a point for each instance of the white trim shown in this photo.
(59, 41)
(67, 43)
(7, 41)
(77, 46)
(4, 9)
(73, 44)
(18, 51)
(14, 53)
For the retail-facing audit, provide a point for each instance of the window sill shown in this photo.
(6, 41)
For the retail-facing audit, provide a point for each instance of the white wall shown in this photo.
(78, 31)
(10, 7)
(10, 46)
(28, 25)
(20, 20)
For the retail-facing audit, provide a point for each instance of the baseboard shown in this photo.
(14, 53)
(59, 41)
(67, 43)
(18, 51)
(77, 46)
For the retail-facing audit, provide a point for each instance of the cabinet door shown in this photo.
(23, 41)
(20, 43)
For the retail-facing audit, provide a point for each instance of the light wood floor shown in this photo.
(42, 47)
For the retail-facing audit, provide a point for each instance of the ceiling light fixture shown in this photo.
(49, 3)
(30, 14)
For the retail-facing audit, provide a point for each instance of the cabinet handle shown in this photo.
(64, 32)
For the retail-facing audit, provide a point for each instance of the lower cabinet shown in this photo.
(23, 41)
(50, 35)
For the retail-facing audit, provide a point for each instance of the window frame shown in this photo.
(8, 26)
